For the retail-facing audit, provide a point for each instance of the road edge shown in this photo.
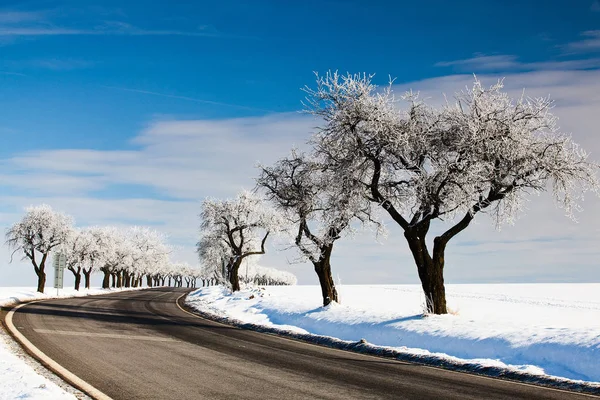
(378, 351)
(46, 361)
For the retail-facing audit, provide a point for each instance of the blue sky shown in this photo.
(142, 102)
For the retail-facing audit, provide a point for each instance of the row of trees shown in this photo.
(374, 154)
(124, 256)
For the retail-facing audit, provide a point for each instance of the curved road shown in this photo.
(141, 345)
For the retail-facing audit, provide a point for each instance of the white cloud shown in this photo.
(178, 158)
(486, 63)
(184, 161)
(589, 43)
(187, 98)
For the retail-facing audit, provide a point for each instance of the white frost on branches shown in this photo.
(40, 230)
(232, 230)
(317, 206)
(483, 152)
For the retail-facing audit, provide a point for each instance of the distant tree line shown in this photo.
(126, 257)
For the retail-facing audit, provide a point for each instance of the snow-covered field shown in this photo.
(22, 378)
(539, 329)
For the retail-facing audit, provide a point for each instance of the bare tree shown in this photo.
(41, 230)
(482, 153)
(319, 207)
(232, 230)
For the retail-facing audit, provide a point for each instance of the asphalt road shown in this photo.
(140, 345)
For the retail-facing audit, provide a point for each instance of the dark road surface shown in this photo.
(141, 345)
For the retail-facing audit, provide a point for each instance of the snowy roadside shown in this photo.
(22, 377)
(544, 333)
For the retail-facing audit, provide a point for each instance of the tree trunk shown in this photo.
(41, 281)
(431, 270)
(77, 280)
(126, 279)
(148, 280)
(119, 279)
(234, 277)
(106, 279)
(86, 276)
(76, 275)
(323, 270)
(39, 271)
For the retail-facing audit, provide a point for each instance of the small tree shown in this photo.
(319, 207)
(115, 253)
(252, 273)
(40, 231)
(483, 153)
(95, 252)
(78, 248)
(149, 253)
(232, 230)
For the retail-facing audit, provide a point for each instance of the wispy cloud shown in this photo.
(20, 23)
(186, 98)
(15, 17)
(101, 30)
(482, 61)
(504, 62)
(62, 64)
(123, 28)
(595, 6)
(589, 43)
(53, 64)
(11, 73)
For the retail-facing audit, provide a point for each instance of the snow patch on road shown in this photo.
(548, 330)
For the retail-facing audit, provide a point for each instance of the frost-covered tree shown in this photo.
(232, 230)
(214, 255)
(116, 253)
(483, 152)
(36, 234)
(149, 253)
(95, 252)
(253, 273)
(79, 249)
(318, 207)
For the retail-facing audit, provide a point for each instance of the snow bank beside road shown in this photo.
(19, 379)
(544, 329)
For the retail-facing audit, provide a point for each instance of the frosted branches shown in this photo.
(232, 230)
(483, 152)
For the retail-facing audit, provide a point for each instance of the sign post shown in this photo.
(59, 262)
